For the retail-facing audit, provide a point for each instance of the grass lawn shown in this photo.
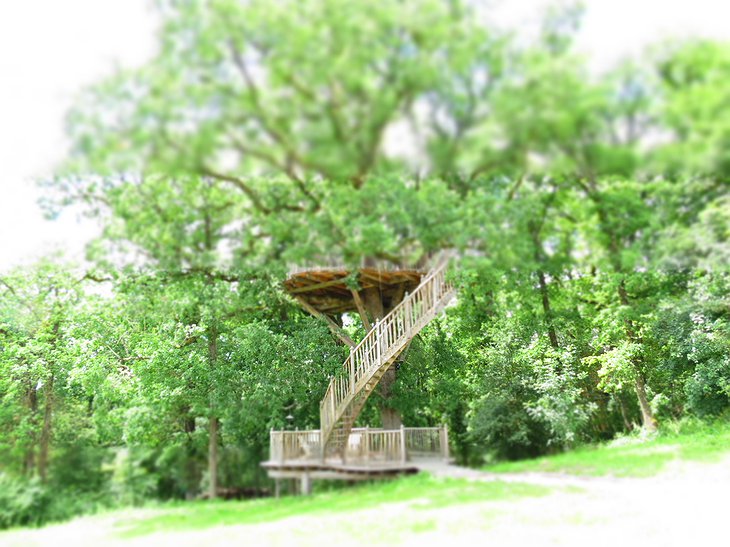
(423, 491)
(634, 456)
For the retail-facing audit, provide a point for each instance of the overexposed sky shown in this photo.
(50, 49)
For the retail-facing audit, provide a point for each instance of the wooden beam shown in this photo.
(317, 286)
(361, 309)
(334, 327)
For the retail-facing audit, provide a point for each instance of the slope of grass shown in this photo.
(423, 491)
(634, 456)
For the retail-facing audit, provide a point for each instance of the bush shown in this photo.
(28, 502)
(23, 502)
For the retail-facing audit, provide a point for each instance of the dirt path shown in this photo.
(685, 505)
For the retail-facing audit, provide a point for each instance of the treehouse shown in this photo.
(394, 306)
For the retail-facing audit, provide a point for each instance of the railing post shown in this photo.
(352, 372)
(366, 444)
(407, 319)
(332, 408)
(403, 457)
(377, 339)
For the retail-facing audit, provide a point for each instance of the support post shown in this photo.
(407, 324)
(435, 292)
(445, 442)
(277, 488)
(403, 457)
(306, 484)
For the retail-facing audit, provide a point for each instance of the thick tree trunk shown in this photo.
(647, 416)
(389, 416)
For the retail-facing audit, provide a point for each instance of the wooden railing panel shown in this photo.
(364, 446)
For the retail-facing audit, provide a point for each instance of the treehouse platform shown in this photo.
(338, 290)
(369, 454)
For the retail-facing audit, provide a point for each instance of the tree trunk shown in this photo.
(192, 476)
(213, 418)
(547, 310)
(614, 254)
(213, 457)
(648, 421)
(389, 416)
(29, 464)
(624, 413)
(45, 439)
(647, 416)
(535, 229)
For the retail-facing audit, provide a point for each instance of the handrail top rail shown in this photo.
(431, 275)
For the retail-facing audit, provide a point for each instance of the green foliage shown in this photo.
(593, 281)
(635, 455)
(22, 502)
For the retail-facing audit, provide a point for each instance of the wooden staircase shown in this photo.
(374, 355)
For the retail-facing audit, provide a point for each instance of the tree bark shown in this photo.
(213, 457)
(389, 416)
(213, 418)
(647, 416)
(29, 464)
(45, 439)
(212, 361)
(648, 421)
(535, 229)
(547, 309)
(624, 413)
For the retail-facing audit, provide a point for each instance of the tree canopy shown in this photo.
(590, 212)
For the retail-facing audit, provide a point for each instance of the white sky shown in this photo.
(50, 49)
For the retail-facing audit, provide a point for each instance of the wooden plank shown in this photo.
(315, 286)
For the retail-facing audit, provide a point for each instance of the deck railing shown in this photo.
(385, 340)
(365, 446)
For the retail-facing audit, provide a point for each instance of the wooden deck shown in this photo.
(370, 454)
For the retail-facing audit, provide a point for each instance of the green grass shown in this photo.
(634, 456)
(421, 491)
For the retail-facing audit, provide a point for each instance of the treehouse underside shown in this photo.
(334, 291)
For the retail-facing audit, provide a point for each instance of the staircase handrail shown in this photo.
(368, 355)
